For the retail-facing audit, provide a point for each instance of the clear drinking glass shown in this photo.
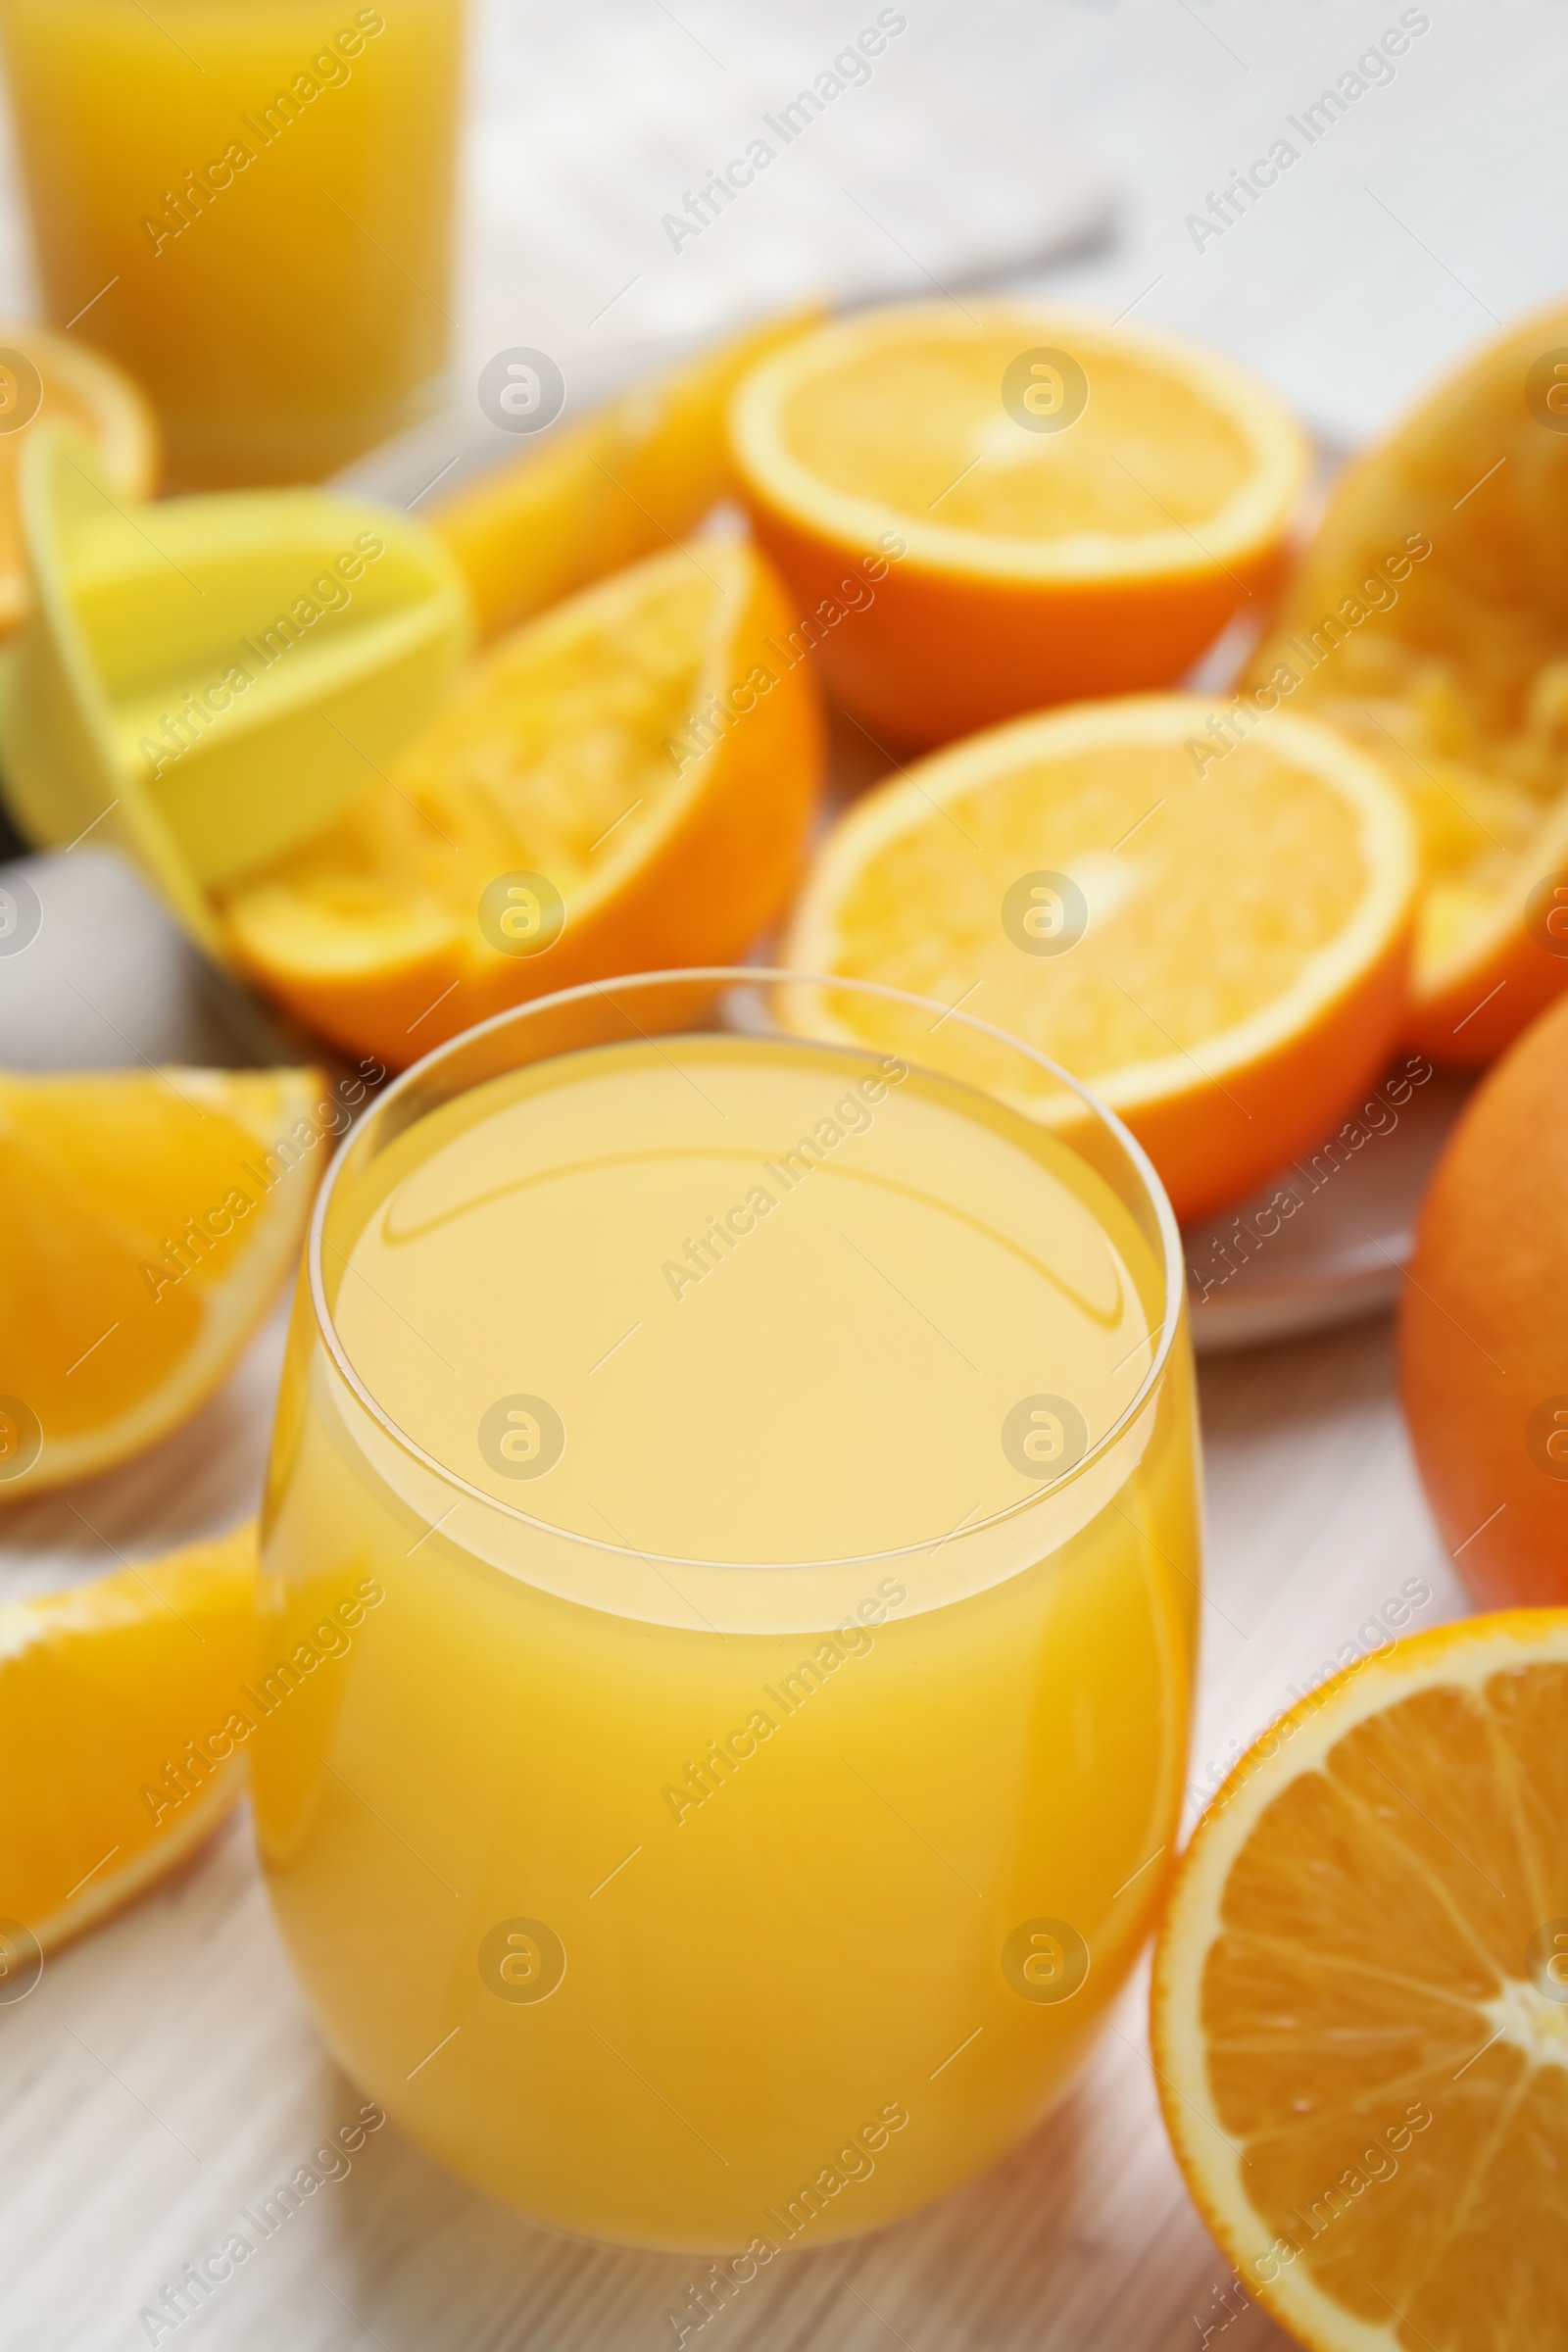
(729, 1580)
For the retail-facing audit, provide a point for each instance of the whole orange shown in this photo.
(1483, 1329)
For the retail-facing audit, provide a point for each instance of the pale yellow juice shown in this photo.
(249, 204)
(736, 1703)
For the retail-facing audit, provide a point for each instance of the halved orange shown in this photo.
(119, 1751)
(49, 376)
(1217, 945)
(597, 493)
(1428, 618)
(624, 783)
(150, 1218)
(1360, 2000)
(982, 509)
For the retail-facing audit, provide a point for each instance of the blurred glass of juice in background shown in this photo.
(728, 1598)
(249, 205)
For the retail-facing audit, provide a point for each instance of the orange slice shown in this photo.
(150, 1219)
(1428, 618)
(46, 377)
(1218, 946)
(118, 1737)
(626, 782)
(1360, 2000)
(595, 495)
(983, 511)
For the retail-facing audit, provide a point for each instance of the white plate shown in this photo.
(1269, 1270)
(109, 981)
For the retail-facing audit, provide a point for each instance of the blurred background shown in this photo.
(1000, 138)
(1060, 144)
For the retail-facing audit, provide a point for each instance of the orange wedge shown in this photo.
(625, 783)
(121, 1719)
(150, 1219)
(1218, 949)
(1430, 619)
(598, 494)
(1360, 2000)
(46, 377)
(979, 511)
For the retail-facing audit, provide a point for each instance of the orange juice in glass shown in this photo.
(729, 1579)
(247, 203)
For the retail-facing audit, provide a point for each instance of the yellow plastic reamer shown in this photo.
(208, 682)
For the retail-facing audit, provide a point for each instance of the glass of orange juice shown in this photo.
(728, 1602)
(249, 204)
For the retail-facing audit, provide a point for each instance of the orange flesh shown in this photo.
(1372, 1948)
(896, 423)
(552, 749)
(97, 1174)
(924, 914)
(100, 1689)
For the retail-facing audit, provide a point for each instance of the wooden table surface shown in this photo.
(165, 2073)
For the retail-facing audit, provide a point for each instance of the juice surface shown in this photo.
(248, 203)
(780, 1299)
(712, 1796)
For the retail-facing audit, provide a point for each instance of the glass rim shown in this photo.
(1172, 1265)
